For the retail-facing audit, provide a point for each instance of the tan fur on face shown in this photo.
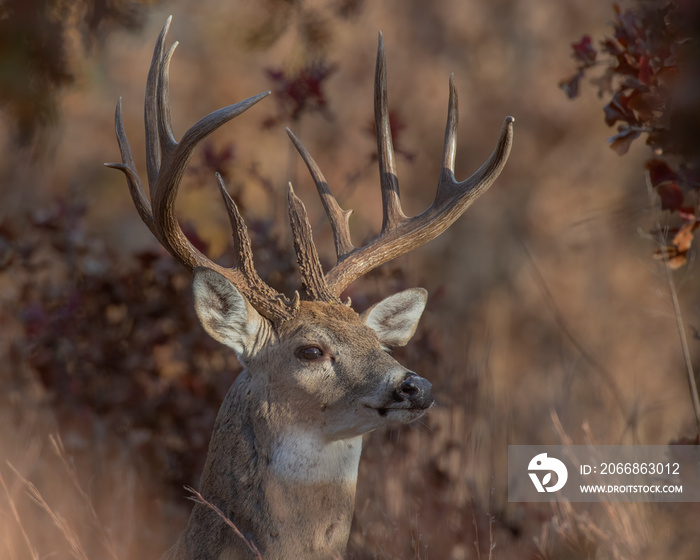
(332, 394)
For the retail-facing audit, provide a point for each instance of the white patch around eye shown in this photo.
(303, 456)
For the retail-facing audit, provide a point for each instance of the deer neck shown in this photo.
(286, 488)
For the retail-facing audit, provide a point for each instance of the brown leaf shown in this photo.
(571, 86)
(659, 171)
(584, 51)
(676, 254)
(621, 142)
(684, 238)
(618, 110)
(671, 196)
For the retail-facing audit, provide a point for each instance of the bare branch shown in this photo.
(199, 499)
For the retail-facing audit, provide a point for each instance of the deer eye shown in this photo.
(309, 353)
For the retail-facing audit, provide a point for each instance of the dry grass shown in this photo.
(199, 499)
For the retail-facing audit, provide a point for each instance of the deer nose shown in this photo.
(416, 390)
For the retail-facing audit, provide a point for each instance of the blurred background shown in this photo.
(549, 318)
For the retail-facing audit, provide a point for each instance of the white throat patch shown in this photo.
(303, 456)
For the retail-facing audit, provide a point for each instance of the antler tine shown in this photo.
(176, 156)
(153, 148)
(165, 128)
(401, 234)
(393, 215)
(143, 205)
(449, 151)
(167, 160)
(338, 218)
(483, 178)
(451, 200)
(313, 281)
(243, 274)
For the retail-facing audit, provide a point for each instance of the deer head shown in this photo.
(282, 462)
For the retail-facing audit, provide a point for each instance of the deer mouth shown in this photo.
(404, 409)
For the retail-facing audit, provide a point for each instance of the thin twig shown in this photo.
(692, 386)
(199, 499)
(476, 533)
(105, 538)
(569, 334)
(77, 549)
(17, 518)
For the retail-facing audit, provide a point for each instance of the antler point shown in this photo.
(166, 26)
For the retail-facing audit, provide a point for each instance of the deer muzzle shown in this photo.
(415, 391)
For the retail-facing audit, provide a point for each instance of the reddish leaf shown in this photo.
(215, 160)
(627, 30)
(584, 51)
(218, 160)
(644, 104)
(618, 110)
(621, 142)
(625, 65)
(671, 196)
(644, 70)
(611, 47)
(571, 86)
(687, 213)
(302, 91)
(659, 171)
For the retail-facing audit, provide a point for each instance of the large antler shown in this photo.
(167, 161)
(400, 234)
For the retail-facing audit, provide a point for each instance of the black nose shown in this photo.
(416, 390)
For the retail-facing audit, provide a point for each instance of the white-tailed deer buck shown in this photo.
(283, 458)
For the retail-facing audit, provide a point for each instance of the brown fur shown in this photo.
(282, 461)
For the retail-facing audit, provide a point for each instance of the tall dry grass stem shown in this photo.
(690, 374)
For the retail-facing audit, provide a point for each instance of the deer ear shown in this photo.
(225, 313)
(395, 318)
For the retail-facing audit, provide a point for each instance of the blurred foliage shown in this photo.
(311, 21)
(42, 43)
(106, 341)
(299, 92)
(652, 70)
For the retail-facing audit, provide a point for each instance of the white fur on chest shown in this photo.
(305, 457)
